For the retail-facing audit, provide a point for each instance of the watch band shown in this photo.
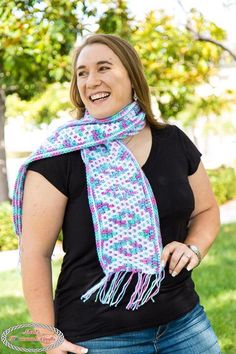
(196, 251)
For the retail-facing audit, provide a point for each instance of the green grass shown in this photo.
(13, 308)
(215, 281)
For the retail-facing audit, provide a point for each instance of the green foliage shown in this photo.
(8, 239)
(43, 107)
(215, 283)
(223, 181)
(117, 19)
(36, 38)
(174, 63)
(198, 106)
(208, 28)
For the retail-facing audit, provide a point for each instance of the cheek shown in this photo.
(122, 86)
(126, 85)
(126, 88)
(80, 89)
(78, 86)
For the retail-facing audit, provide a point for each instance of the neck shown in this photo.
(128, 140)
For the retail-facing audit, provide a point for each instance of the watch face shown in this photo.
(196, 251)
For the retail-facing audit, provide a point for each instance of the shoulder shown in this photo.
(58, 162)
(59, 169)
(173, 141)
(169, 131)
(166, 131)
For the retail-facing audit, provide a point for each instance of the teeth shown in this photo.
(99, 95)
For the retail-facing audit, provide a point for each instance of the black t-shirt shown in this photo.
(173, 157)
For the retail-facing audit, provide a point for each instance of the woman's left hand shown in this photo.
(179, 256)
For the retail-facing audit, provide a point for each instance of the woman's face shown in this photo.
(103, 82)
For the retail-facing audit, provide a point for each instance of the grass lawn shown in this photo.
(215, 283)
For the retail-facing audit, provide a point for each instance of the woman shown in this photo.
(137, 213)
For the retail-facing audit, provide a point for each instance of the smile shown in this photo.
(99, 96)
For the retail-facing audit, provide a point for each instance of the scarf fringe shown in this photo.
(148, 285)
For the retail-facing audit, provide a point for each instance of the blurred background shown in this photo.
(188, 49)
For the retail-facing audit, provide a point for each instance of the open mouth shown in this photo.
(101, 96)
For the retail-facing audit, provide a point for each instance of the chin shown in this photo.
(102, 115)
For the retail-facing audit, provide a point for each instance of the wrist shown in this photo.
(195, 250)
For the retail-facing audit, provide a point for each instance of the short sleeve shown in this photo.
(55, 169)
(191, 152)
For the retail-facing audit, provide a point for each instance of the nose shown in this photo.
(93, 80)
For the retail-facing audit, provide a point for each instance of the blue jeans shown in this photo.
(189, 334)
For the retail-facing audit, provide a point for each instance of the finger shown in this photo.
(193, 262)
(184, 260)
(72, 348)
(167, 251)
(175, 258)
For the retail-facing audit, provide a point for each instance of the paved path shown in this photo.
(228, 212)
(9, 259)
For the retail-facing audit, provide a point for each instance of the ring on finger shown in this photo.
(187, 255)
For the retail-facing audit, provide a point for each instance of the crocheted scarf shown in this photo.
(122, 204)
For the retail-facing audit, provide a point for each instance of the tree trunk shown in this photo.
(3, 169)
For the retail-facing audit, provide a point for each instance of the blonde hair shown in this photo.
(132, 63)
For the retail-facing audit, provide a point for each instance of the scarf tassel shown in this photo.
(147, 286)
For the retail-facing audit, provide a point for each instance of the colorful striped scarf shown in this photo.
(122, 204)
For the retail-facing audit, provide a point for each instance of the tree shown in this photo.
(206, 107)
(201, 33)
(36, 37)
(174, 63)
(117, 19)
(43, 107)
(176, 59)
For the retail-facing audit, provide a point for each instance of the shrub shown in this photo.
(223, 181)
(8, 238)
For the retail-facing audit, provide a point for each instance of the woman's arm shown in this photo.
(203, 228)
(43, 213)
(205, 219)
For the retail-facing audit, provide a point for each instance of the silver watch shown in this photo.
(196, 251)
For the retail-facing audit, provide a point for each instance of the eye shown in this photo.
(81, 73)
(103, 68)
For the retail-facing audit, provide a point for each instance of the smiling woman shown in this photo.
(137, 214)
(102, 81)
(111, 53)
